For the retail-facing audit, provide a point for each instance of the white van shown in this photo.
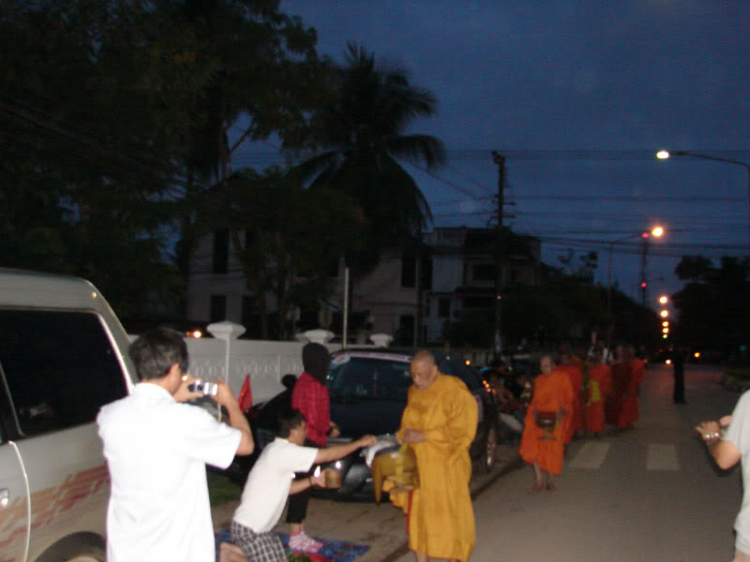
(62, 356)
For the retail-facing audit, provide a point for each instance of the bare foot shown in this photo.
(536, 488)
(551, 487)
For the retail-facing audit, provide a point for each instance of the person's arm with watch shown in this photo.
(725, 453)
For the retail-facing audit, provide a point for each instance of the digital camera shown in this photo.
(204, 387)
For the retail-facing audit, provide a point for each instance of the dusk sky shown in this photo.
(578, 95)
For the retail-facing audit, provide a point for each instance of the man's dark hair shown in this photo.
(289, 420)
(156, 350)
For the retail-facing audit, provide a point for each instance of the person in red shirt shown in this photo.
(310, 396)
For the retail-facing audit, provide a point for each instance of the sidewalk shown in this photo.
(380, 526)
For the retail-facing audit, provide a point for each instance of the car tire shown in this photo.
(487, 459)
(75, 549)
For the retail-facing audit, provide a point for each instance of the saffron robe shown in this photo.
(552, 392)
(574, 421)
(630, 414)
(600, 385)
(621, 382)
(440, 513)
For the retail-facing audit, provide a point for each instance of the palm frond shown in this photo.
(418, 148)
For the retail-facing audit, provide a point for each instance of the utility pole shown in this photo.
(499, 252)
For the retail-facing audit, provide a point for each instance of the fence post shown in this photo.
(227, 331)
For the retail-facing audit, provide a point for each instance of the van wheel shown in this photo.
(75, 549)
(89, 554)
(487, 460)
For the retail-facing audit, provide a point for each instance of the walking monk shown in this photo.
(599, 386)
(621, 383)
(543, 440)
(439, 423)
(574, 421)
(630, 412)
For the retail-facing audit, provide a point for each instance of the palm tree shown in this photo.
(362, 133)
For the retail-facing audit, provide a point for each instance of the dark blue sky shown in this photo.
(546, 83)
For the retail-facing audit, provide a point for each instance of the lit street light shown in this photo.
(663, 299)
(656, 232)
(664, 313)
(665, 154)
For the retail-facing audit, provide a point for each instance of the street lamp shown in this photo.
(665, 154)
(664, 313)
(656, 232)
(663, 299)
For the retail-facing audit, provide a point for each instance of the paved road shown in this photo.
(649, 494)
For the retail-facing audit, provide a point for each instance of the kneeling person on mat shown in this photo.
(271, 481)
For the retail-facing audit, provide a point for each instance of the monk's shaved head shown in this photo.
(423, 369)
(424, 355)
(547, 364)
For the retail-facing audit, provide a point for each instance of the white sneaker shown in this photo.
(302, 542)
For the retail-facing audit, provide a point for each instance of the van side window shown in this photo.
(59, 368)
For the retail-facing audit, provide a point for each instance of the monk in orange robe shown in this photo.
(630, 412)
(543, 439)
(621, 381)
(598, 388)
(574, 421)
(438, 424)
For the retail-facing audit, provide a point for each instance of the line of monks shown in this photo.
(575, 397)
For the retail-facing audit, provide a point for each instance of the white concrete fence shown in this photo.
(266, 362)
(227, 357)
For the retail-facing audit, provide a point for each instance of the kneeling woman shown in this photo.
(543, 442)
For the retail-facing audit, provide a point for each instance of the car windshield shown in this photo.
(368, 378)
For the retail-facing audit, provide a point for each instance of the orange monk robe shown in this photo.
(600, 385)
(621, 381)
(440, 514)
(574, 421)
(551, 393)
(630, 412)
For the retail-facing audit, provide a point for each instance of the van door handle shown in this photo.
(4, 497)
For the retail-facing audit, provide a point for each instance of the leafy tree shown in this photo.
(87, 159)
(290, 240)
(361, 135)
(582, 268)
(114, 120)
(715, 302)
(265, 79)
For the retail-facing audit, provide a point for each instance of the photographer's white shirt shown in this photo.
(268, 484)
(156, 450)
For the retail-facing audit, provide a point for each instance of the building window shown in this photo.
(409, 269)
(444, 308)
(478, 302)
(248, 310)
(484, 272)
(218, 308)
(221, 251)
(406, 329)
(333, 267)
(425, 272)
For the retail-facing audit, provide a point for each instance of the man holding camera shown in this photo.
(157, 449)
(271, 481)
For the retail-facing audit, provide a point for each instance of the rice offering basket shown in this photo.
(396, 466)
(547, 421)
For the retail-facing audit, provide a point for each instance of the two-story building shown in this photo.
(412, 292)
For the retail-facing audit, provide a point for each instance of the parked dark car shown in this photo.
(368, 390)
